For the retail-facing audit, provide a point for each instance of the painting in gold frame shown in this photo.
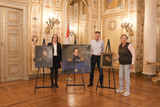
(106, 60)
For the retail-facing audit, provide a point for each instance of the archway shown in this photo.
(79, 36)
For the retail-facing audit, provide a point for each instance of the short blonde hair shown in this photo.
(124, 35)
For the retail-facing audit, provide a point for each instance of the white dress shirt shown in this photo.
(55, 49)
(97, 47)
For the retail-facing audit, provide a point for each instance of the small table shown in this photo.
(157, 77)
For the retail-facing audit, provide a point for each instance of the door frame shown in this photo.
(24, 8)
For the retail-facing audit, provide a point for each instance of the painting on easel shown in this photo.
(43, 57)
(76, 59)
(106, 60)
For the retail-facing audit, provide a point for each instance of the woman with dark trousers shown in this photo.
(57, 59)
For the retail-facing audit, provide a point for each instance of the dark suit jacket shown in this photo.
(59, 51)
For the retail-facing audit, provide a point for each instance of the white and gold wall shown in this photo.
(101, 15)
(112, 16)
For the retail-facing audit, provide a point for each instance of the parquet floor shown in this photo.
(21, 94)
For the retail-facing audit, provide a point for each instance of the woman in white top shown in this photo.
(57, 58)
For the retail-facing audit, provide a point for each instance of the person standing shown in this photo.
(97, 47)
(57, 59)
(126, 56)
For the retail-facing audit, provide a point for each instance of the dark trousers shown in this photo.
(94, 60)
(54, 74)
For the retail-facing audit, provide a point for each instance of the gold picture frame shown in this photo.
(106, 60)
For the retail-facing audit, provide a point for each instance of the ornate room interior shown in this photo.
(25, 24)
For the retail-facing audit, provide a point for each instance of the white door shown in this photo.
(12, 54)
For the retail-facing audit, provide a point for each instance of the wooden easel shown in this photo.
(44, 44)
(108, 47)
(43, 82)
(74, 84)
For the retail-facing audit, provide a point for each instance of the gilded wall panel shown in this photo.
(36, 1)
(47, 13)
(95, 7)
(58, 3)
(111, 29)
(35, 31)
(57, 28)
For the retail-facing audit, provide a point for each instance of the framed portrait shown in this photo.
(76, 59)
(43, 57)
(106, 60)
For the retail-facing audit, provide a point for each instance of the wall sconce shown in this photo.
(126, 24)
(50, 24)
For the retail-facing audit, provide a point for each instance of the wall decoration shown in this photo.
(76, 59)
(113, 35)
(35, 1)
(94, 27)
(48, 3)
(158, 6)
(20, 1)
(132, 5)
(112, 6)
(95, 6)
(58, 3)
(83, 11)
(47, 13)
(35, 31)
(35, 39)
(76, 18)
(112, 25)
(57, 28)
(83, 30)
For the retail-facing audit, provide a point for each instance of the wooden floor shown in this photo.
(21, 94)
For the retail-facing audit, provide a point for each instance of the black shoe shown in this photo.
(89, 85)
(102, 86)
(56, 85)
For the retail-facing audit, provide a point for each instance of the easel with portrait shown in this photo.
(106, 63)
(43, 59)
(76, 60)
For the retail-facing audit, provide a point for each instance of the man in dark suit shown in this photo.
(57, 58)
